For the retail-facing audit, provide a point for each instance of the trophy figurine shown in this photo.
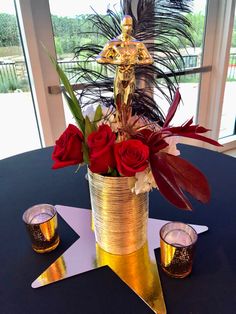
(125, 52)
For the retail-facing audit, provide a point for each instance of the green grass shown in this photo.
(9, 86)
(10, 51)
(191, 78)
(232, 59)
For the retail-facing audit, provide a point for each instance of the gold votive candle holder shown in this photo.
(42, 226)
(177, 243)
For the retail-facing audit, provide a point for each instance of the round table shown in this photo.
(28, 179)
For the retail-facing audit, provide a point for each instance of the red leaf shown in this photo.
(152, 139)
(201, 129)
(188, 127)
(189, 178)
(156, 143)
(191, 131)
(173, 108)
(201, 138)
(166, 182)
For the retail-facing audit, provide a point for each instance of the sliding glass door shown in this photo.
(69, 26)
(19, 130)
(58, 25)
(228, 119)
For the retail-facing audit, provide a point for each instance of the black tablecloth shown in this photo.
(27, 179)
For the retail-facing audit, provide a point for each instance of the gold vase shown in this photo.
(119, 216)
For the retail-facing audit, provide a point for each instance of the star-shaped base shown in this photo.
(138, 269)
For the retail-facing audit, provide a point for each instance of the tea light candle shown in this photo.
(177, 242)
(41, 223)
(178, 238)
(40, 218)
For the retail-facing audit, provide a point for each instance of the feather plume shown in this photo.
(156, 23)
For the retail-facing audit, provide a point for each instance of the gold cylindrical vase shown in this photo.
(119, 215)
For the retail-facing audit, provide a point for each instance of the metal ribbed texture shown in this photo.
(119, 216)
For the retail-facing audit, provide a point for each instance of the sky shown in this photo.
(61, 8)
(76, 7)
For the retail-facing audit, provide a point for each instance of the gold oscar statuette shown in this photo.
(125, 52)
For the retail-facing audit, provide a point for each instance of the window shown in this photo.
(228, 119)
(69, 26)
(219, 25)
(19, 130)
(203, 99)
(189, 84)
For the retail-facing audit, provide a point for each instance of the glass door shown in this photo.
(189, 78)
(19, 130)
(228, 118)
(69, 24)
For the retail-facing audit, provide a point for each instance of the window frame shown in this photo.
(36, 29)
(217, 43)
(218, 32)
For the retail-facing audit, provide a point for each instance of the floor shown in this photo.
(231, 152)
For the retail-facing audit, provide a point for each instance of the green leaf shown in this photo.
(112, 172)
(98, 114)
(74, 111)
(85, 153)
(89, 127)
(70, 95)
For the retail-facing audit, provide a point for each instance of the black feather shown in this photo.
(156, 23)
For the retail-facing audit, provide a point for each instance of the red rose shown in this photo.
(68, 148)
(131, 157)
(101, 153)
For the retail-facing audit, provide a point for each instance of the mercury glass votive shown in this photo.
(41, 223)
(177, 243)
